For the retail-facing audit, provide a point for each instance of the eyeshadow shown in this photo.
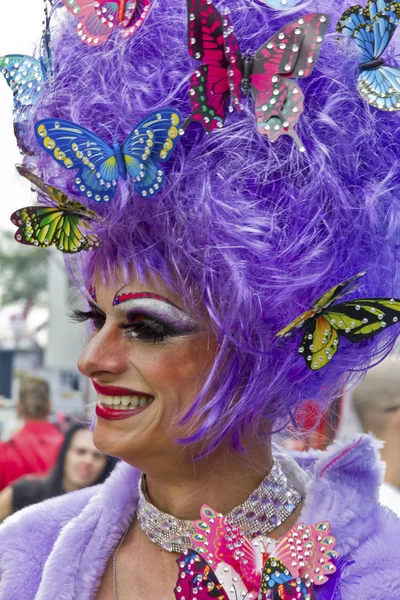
(154, 307)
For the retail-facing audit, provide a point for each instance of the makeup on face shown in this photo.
(118, 403)
(150, 315)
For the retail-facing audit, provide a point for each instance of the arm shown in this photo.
(6, 501)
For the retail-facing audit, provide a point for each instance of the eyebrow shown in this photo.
(120, 298)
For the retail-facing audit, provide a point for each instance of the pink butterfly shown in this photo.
(98, 18)
(226, 73)
(264, 568)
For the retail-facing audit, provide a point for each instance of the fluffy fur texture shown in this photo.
(60, 548)
(253, 231)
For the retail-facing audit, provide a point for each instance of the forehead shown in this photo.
(83, 439)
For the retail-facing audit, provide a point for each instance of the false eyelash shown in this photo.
(81, 316)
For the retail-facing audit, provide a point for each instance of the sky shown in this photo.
(20, 28)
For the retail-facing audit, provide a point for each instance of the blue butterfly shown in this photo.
(99, 165)
(26, 76)
(280, 4)
(372, 28)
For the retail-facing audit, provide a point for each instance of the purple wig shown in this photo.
(258, 230)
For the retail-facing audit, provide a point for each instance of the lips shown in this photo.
(116, 403)
(110, 390)
(116, 415)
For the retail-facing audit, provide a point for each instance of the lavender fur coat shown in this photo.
(59, 549)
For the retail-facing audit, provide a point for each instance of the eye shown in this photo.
(147, 329)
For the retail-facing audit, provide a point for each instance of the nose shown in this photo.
(104, 354)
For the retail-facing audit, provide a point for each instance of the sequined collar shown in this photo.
(265, 509)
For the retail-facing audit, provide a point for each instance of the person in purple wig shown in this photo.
(186, 295)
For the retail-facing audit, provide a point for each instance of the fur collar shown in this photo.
(60, 549)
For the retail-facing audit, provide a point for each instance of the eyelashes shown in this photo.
(138, 326)
(96, 316)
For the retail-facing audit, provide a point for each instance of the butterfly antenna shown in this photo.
(116, 129)
(108, 130)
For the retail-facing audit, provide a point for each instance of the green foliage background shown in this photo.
(22, 271)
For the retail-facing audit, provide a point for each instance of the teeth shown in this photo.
(124, 402)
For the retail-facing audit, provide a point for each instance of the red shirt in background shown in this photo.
(33, 449)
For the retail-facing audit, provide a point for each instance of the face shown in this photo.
(83, 462)
(148, 359)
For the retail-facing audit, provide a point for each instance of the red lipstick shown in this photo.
(117, 415)
(110, 390)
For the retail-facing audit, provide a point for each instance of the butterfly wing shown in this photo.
(307, 551)
(355, 23)
(296, 589)
(295, 325)
(153, 141)
(372, 28)
(360, 319)
(275, 574)
(234, 57)
(46, 191)
(337, 291)
(197, 579)
(384, 16)
(75, 147)
(291, 52)
(97, 19)
(209, 85)
(381, 88)
(44, 226)
(26, 78)
(320, 343)
(136, 14)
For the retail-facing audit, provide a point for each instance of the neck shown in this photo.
(222, 480)
(69, 486)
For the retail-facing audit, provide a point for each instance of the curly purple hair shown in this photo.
(258, 230)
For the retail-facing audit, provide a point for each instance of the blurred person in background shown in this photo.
(377, 404)
(79, 465)
(35, 447)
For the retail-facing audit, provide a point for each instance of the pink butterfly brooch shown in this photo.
(226, 74)
(224, 564)
(98, 18)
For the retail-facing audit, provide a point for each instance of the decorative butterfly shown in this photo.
(356, 320)
(372, 28)
(260, 568)
(226, 73)
(280, 4)
(98, 18)
(99, 165)
(26, 76)
(65, 224)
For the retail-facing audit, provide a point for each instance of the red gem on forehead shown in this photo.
(129, 296)
(92, 292)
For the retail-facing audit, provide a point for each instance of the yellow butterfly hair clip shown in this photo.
(356, 320)
(64, 223)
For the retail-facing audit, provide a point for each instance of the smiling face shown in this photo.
(148, 359)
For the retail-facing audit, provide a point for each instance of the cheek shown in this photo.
(181, 371)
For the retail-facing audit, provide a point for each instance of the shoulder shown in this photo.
(343, 488)
(27, 539)
(37, 527)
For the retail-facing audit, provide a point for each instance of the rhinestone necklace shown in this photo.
(265, 509)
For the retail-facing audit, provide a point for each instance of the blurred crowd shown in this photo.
(44, 459)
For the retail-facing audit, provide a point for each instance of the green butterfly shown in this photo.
(66, 224)
(356, 320)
